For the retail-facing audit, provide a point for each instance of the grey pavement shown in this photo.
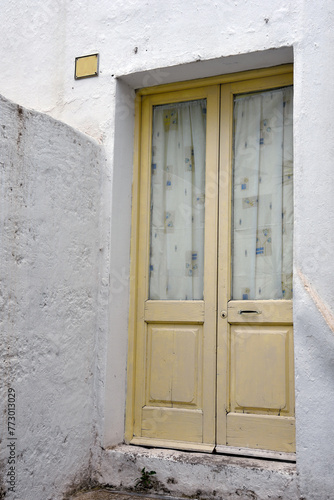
(114, 495)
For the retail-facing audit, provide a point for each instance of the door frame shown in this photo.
(231, 84)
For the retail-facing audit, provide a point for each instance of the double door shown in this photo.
(211, 345)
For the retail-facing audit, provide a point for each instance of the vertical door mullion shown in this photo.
(224, 260)
(210, 265)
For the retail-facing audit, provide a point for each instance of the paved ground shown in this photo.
(112, 495)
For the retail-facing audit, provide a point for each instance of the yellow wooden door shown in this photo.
(255, 392)
(175, 381)
(214, 372)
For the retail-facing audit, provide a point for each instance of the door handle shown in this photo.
(247, 311)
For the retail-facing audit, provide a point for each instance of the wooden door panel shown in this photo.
(174, 365)
(172, 423)
(260, 412)
(177, 311)
(263, 432)
(260, 312)
(260, 371)
(261, 384)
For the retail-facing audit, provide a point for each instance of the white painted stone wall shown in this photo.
(51, 226)
(143, 43)
(314, 250)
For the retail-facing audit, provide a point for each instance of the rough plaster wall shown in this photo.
(314, 247)
(50, 271)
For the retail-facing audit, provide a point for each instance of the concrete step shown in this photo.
(195, 475)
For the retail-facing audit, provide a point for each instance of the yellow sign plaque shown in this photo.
(86, 66)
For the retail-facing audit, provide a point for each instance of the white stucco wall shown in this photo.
(51, 222)
(132, 36)
(142, 44)
(314, 248)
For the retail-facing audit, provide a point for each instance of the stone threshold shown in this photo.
(197, 475)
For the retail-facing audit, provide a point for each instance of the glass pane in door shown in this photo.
(263, 196)
(177, 201)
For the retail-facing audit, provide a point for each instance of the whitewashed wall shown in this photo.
(142, 44)
(314, 250)
(51, 222)
(51, 287)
